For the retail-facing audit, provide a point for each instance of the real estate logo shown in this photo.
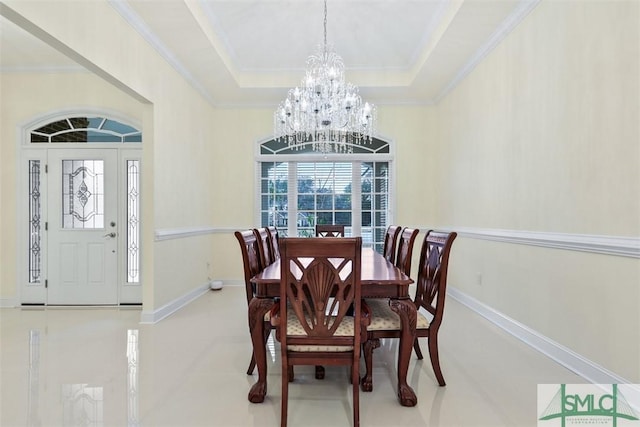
(588, 404)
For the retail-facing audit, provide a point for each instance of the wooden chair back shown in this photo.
(249, 247)
(390, 242)
(320, 282)
(405, 249)
(431, 286)
(264, 243)
(275, 248)
(325, 230)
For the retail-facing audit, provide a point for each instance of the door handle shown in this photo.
(112, 234)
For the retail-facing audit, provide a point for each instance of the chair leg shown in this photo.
(252, 365)
(435, 360)
(355, 373)
(285, 393)
(416, 347)
(367, 350)
(290, 373)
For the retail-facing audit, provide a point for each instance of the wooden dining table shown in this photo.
(379, 278)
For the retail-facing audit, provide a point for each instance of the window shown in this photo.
(85, 130)
(82, 194)
(133, 221)
(35, 222)
(302, 189)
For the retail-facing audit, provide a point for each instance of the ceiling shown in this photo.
(250, 52)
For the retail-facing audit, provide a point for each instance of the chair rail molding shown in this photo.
(599, 244)
(179, 233)
(606, 245)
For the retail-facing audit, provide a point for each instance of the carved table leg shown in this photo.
(257, 309)
(408, 317)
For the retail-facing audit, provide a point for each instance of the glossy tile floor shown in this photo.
(100, 367)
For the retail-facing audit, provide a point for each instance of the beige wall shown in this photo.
(177, 140)
(27, 97)
(543, 136)
(237, 132)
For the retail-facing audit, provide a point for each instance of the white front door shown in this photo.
(82, 227)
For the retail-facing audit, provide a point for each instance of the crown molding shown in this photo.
(129, 15)
(521, 11)
(498, 35)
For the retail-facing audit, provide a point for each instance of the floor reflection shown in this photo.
(82, 405)
(33, 398)
(132, 378)
(271, 347)
(70, 366)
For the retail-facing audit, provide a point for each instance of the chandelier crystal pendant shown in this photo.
(325, 111)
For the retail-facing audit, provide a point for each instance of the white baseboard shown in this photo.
(151, 317)
(8, 302)
(233, 282)
(571, 360)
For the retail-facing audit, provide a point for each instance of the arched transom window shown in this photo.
(86, 129)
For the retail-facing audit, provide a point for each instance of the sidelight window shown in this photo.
(35, 222)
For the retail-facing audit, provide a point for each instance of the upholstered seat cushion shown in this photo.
(294, 328)
(384, 319)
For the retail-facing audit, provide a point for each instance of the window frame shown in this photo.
(302, 157)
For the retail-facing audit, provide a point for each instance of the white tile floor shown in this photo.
(100, 367)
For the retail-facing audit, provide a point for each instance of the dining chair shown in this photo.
(250, 248)
(264, 246)
(390, 242)
(405, 249)
(431, 290)
(275, 249)
(320, 280)
(326, 230)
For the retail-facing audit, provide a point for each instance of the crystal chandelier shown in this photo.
(325, 111)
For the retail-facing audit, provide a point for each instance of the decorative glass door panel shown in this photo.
(82, 193)
(83, 232)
